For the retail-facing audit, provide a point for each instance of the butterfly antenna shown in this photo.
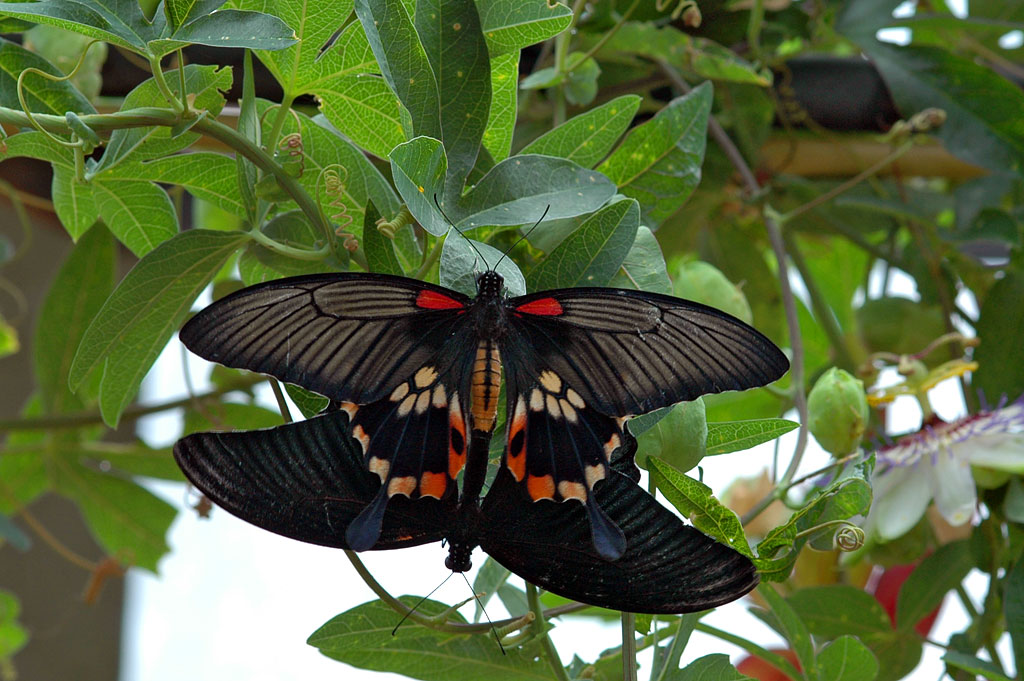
(484, 611)
(468, 240)
(528, 232)
(418, 604)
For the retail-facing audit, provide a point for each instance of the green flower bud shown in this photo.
(704, 283)
(837, 412)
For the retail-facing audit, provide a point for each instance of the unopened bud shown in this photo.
(837, 412)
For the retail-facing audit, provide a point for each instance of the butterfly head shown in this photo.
(489, 285)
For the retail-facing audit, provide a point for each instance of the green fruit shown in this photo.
(837, 412)
(704, 283)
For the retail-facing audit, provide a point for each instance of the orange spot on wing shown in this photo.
(433, 484)
(540, 487)
(517, 464)
(456, 438)
(542, 306)
(432, 300)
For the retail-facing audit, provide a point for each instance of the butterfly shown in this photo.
(308, 481)
(418, 368)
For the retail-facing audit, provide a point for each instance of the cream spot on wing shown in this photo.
(567, 411)
(404, 486)
(423, 402)
(360, 435)
(440, 398)
(574, 398)
(406, 406)
(594, 474)
(400, 392)
(380, 466)
(552, 405)
(425, 376)
(551, 382)
(536, 400)
(613, 443)
(572, 490)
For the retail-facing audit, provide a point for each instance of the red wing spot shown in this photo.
(432, 300)
(548, 307)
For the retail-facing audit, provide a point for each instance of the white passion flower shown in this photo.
(935, 463)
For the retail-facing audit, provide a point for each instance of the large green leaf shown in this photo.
(659, 162)
(510, 25)
(139, 214)
(206, 175)
(462, 259)
(501, 119)
(127, 520)
(588, 137)
(43, 96)
(928, 584)
(418, 168)
(695, 501)
(592, 254)
(792, 627)
(715, 667)
(519, 189)
(78, 292)
(846, 659)
(1001, 364)
(449, 31)
(362, 637)
(976, 666)
(725, 437)
(644, 267)
(73, 201)
(122, 23)
(144, 311)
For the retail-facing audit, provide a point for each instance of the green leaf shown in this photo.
(462, 258)
(510, 25)
(37, 145)
(139, 214)
(42, 95)
(308, 402)
(725, 437)
(838, 610)
(1013, 609)
(519, 189)
(403, 62)
(449, 31)
(180, 12)
(644, 266)
(135, 459)
(695, 501)
(77, 293)
(145, 310)
(13, 636)
(206, 175)
(362, 638)
(1001, 371)
(9, 344)
(581, 79)
(974, 665)
(122, 23)
(592, 254)
(659, 162)
(74, 201)
(982, 125)
(792, 628)
(419, 167)
(129, 522)
(699, 55)
(715, 667)
(501, 119)
(380, 250)
(588, 137)
(927, 585)
(678, 439)
(204, 83)
(846, 659)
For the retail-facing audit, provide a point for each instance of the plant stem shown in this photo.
(92, 418)
(540, 629)
(628, 646)
(611, 31)
(282, 115)
(161, 84)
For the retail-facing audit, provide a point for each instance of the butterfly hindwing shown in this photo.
(351, 337)
(667, 566)
(630, 352)
(306, 481)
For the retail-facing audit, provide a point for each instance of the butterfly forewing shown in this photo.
(630, 352)
(351, 337)
(667, 567)
(305, 481)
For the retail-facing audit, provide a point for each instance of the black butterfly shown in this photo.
(418, 367)
(308, 481)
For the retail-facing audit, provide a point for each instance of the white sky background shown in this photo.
(236, 603)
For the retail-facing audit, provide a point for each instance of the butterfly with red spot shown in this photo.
(418, 369)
